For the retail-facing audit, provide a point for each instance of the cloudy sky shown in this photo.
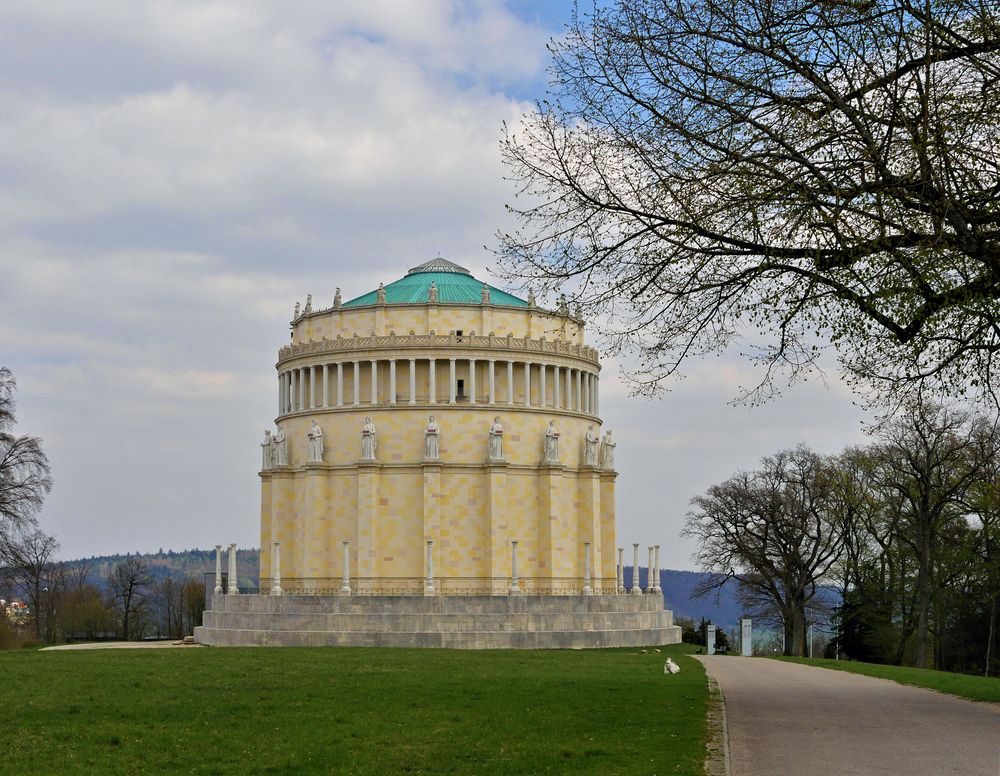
(175, 175)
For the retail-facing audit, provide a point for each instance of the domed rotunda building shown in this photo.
(439, 476)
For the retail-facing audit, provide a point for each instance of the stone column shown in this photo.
(312, 387)
(586, 392)
(345, 586)
(542, 369)
(451, 375)
(635, 590)
(597, 394)
(555, 388)
(392, 381)
(340, 383)
(218, 569)
(621, 570)
(302, 388)
(293, 374)
(587, 589)
(650, 585)
(515, 587)
(568, 385)
(579, 391)
(429, 580)
(281, 393)
(472, 381)
(432, 380)
(493, 395)
(326, 385)
(233, 587)
(527, 384)
(510, 382)
(276, 568)
(413, 381)
(656, 567)
(374, 381)
(357, 383)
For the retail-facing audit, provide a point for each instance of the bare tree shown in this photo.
(770, 530)
(24, 469)
(27, 554)
(811, 170)
(127, 584)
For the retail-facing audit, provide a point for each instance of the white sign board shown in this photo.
(746, 637)
(710, 640)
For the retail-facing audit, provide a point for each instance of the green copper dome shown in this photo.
(455, 285)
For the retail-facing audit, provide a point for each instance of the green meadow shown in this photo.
(326, 710)
(976, 688)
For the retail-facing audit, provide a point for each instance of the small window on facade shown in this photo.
(461, 388)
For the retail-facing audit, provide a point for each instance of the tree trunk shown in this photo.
(989, 636)
(923, 601)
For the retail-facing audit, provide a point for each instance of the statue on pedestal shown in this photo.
(380, 294)
(337, 300)
(369, 440)
(496, 440)
(315, 435)
(267, 449)
(432, 440)
(563, 305)
(309, 303)
(551, 443)
(608, 451)
(531, 298)
(485, 294)
(297, 313)
(590, 441)
(280, 448)
(432, 293)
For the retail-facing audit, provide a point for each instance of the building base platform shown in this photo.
(449, 622)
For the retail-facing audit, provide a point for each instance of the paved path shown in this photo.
(786, 719)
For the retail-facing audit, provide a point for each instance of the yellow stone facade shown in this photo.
(463, 363)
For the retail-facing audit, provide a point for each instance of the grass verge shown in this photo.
(976, 688)
(316, 710)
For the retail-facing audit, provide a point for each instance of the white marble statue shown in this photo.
(369, 440)
(608, 451)
(315, 443)
(432, 293)
(563, 305)
(590, 442)
(280, 452)
(578, 311)
(309, 303)
(485, 294)
(298, 312)
(380, 294)
(267, 449)
(551, 443)
(670, 667)
(337, 300)
(496, 440)
(531, 298)
(432, 440)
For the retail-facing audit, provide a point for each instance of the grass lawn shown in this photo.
(976, 688)
(325, 710)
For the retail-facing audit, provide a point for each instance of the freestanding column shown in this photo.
(493, 395)
(233, 587)
(451, 376)
(597, 394)
(293, 389)
(515, 588)
(276, 568)
(472, 381)
(281, 394)
(218, 569)
(340, 383)
(432, 382)
(357, 382)
(527, 384)
(374, 381)
(510, 382)
(587, 589)
(542, 369)
(636, 590)
(413, 381)
(555, 387)
(326, 385)
(429, 581)
(579, 391)
(392, 381)
(302, 388)
(621, 570)
(656, 566)
(312, 387)
(345, 587)
(650, 585)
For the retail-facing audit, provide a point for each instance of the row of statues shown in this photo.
(432, 297)
(597, 451)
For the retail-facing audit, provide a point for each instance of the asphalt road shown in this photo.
(786, 719)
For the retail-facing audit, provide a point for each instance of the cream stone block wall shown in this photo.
(442, 319)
